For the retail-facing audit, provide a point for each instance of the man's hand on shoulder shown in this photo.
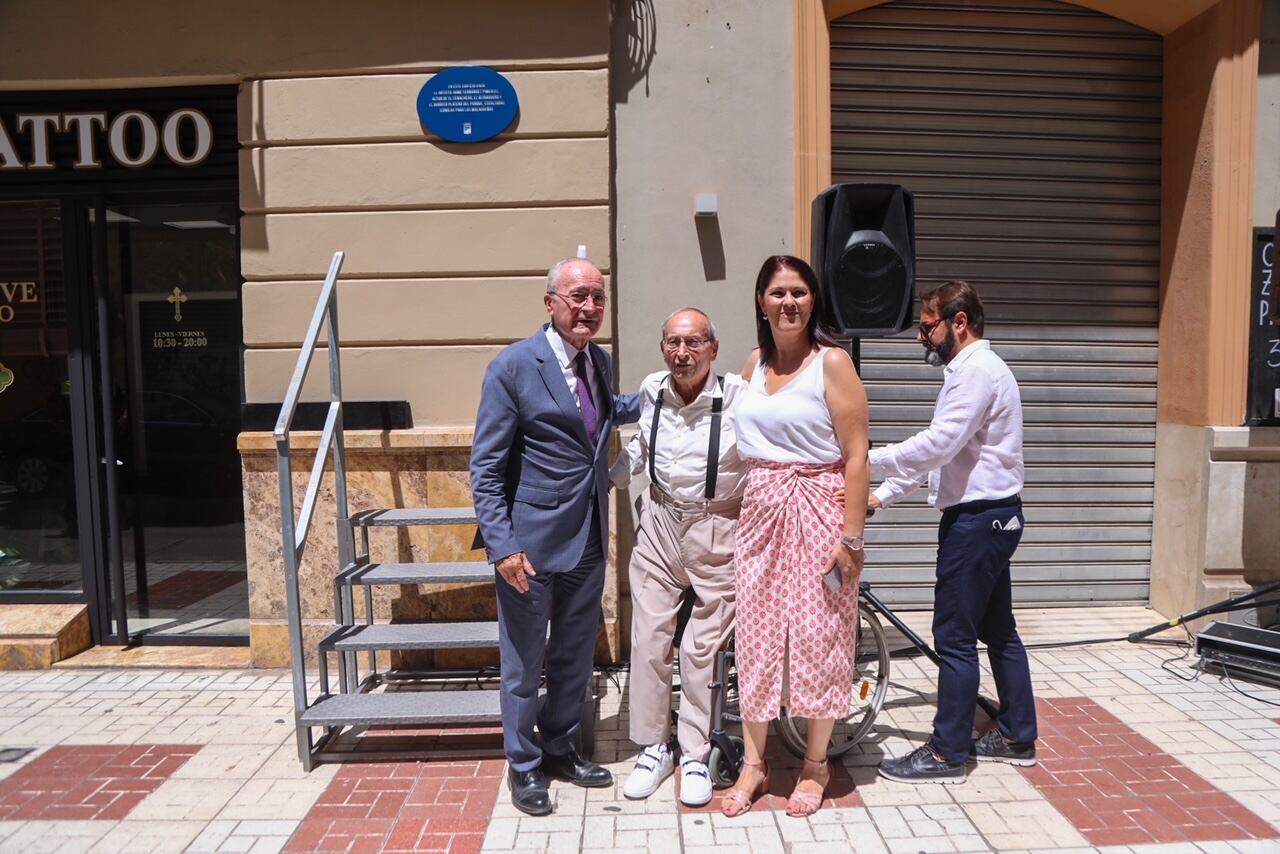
(516, 570)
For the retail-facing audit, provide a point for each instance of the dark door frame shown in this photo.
(89, 369)
(112, 601)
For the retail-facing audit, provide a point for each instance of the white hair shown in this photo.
(553, 275)
(711, 327)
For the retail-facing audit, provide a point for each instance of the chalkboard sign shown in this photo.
(467, 103)
(1264, 334)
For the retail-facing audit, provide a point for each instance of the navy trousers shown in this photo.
(570, 602)
(973, 601)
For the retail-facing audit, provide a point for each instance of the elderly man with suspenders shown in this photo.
(684, 540)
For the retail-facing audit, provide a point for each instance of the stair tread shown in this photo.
(405, 707)
(421, 573)
(413, 636)
(415, 516)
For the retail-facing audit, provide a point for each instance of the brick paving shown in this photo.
(88, 783)
(1118, 788)
(1134, 760)
(403, 806)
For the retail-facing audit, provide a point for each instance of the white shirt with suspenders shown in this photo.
(697, 478)
(676, 441)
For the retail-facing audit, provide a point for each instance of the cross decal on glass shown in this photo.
(177, 298)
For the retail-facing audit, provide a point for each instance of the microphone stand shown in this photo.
(1234, 603)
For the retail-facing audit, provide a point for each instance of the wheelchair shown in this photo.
(870, 684)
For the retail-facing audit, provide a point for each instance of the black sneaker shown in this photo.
(922, 765)
(992, 747)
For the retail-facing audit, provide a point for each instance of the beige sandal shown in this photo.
(741, 801)
(803, 804)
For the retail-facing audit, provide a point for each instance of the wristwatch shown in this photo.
(853, 544)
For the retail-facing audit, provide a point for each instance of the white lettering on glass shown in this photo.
(86, 143)
(8, 154)
(204, 137)
(150, 139)
(40, 124)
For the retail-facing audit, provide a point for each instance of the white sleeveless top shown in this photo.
(792, 425)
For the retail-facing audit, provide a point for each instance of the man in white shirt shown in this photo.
(971, 455)
(686, 445)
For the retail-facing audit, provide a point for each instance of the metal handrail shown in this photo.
(294, 534)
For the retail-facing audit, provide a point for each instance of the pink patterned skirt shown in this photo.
(789, 621)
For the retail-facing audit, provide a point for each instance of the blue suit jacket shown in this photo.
(533, 470)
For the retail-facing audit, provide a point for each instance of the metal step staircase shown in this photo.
(354, 702)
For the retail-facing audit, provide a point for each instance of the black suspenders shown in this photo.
(713, 446)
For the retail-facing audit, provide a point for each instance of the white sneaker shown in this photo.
(695, 783)
(653, 765)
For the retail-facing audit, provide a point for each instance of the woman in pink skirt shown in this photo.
(802, 425)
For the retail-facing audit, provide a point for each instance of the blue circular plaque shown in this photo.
(467, 103)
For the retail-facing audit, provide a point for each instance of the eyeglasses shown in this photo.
(577, 299)
(926, 328)
(693, 344)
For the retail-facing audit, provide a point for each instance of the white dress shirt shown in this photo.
(565, 354)
(684, 435)
(972, 449)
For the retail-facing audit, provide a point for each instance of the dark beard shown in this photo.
(943, 353)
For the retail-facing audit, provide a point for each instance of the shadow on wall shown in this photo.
(711, 247)
(1260, 536)
(635, 39)
(238, 38)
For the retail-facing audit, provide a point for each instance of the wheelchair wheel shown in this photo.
(724, 769)
(585, 741)
(870, 684)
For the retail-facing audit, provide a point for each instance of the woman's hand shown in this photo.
(838, 494)
(849, 561)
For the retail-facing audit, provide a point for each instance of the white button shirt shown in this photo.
(684, 434)
(972, 449)
(565, 354)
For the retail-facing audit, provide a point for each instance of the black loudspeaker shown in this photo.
(864, 249)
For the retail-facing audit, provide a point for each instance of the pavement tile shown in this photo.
(90, 782)
(53, 837)
(415, 806)
(1172, 755)
(148, 837)
(1132, 792)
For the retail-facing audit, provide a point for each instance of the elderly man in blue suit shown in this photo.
(540, 480)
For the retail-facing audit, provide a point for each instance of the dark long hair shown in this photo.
(819, 327)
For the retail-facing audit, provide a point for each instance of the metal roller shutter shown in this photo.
(1029, 131)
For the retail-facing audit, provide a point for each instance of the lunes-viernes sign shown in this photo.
(468, 103)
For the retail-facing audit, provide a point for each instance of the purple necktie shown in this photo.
(586, 400)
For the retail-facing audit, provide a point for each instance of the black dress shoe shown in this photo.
(575, 769)
(529, 791)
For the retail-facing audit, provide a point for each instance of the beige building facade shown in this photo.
(1149, 482)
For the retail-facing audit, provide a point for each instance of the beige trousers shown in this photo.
(676, 549)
